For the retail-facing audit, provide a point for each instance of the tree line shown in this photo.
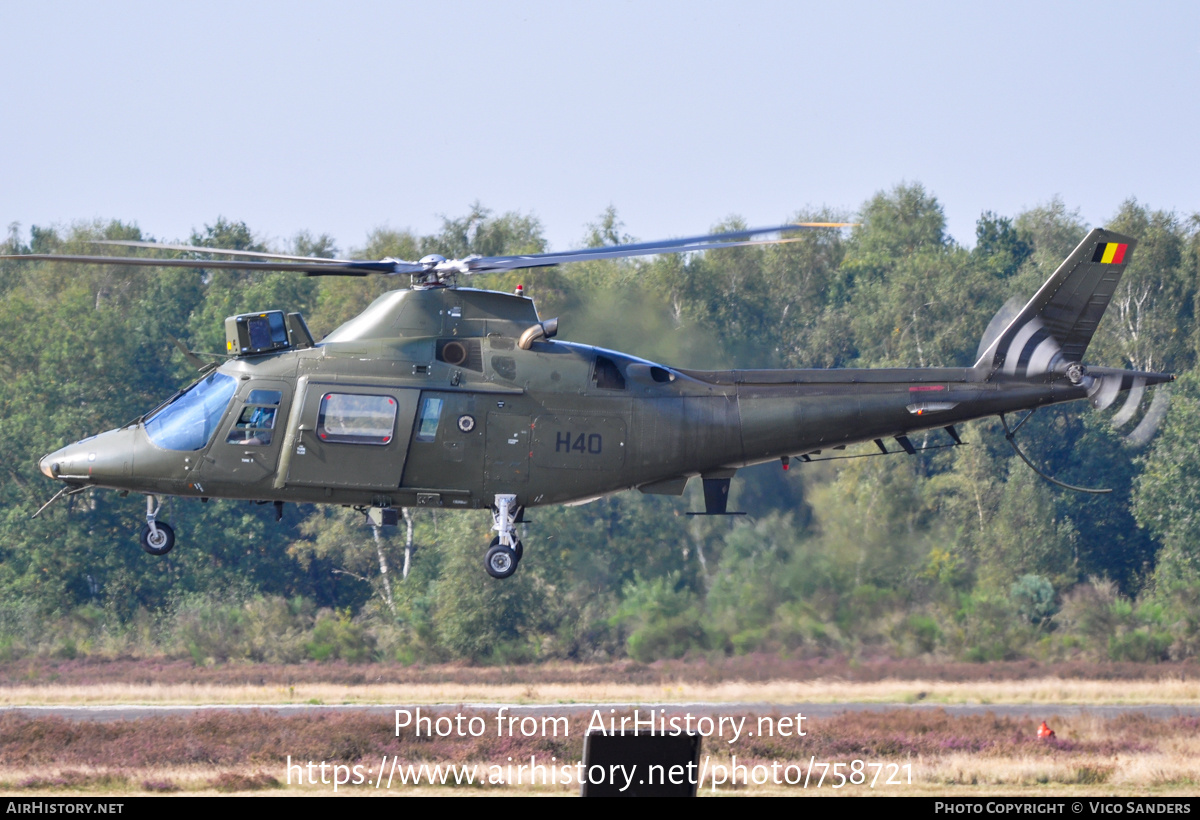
(961, 552)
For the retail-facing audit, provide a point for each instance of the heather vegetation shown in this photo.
(959, 554)
(1129, 754)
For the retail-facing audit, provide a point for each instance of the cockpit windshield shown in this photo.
(190, 421)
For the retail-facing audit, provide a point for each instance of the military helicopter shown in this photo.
(446, 396)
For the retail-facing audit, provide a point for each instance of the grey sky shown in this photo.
(344, 118)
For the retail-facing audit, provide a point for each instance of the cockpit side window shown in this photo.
(256, 423)
(190, 420)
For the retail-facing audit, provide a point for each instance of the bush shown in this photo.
(667, 637)
(923, 631)
(988, 629)
(662, 618)
(1033, 596)
(1139, 646)
(336, 635)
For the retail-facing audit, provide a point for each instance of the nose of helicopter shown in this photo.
(100, 459)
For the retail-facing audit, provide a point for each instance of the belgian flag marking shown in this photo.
(1110, 253)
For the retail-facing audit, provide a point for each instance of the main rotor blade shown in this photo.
(487, 264)
(316, 266)
(308, 268)
(201, 249)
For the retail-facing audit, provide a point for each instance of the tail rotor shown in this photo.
(1031, 351)
(1148, 426)
(1104, 391)
(1133, 400)
(1028, 349)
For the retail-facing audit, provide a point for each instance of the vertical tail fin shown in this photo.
(1055, 327)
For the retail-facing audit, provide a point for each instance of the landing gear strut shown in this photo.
(505, 551)
(157, 539)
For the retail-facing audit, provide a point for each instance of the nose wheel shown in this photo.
(505, 551)
(157, 538)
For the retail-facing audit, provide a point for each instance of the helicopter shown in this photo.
(444, 396)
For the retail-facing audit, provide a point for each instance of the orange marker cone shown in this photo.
(1045, 732)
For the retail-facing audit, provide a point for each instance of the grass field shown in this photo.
(759, 679)
(1040, 690)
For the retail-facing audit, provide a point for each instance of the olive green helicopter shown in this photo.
(444, 396)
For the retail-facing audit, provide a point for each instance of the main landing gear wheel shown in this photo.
(159, 540)
(518, 548)
(500, 561)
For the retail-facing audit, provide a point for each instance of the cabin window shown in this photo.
(256, 423)
(189, 421)
(607, 375)
(431, 412)
(355, 419)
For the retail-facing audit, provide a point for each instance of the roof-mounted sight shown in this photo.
(254, 334)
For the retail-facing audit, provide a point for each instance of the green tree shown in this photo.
(1168, 491)
(474, 617)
